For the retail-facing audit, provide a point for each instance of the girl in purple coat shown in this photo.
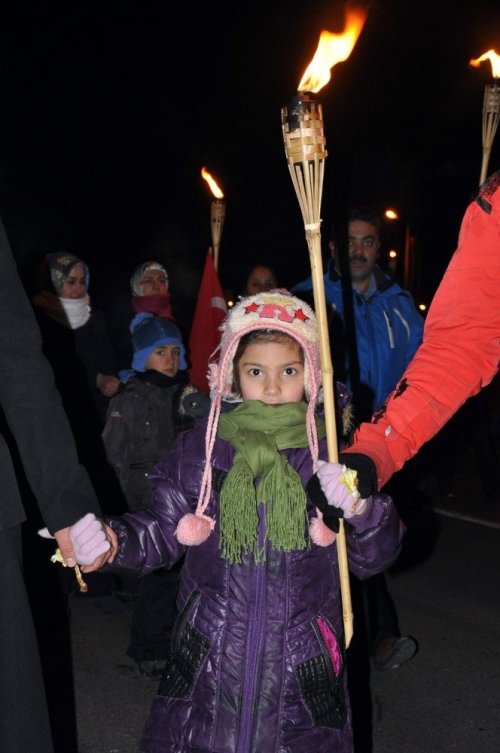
(257, 658)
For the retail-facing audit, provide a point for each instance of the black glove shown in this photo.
(365, 467)
(195, 404)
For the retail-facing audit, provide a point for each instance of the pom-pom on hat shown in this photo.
(135, 280)
(150, 332)
(276, 310)
(60, 266)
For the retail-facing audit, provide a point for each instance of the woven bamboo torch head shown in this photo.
(303, 133)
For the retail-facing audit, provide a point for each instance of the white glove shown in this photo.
(88, 538)
(340, 488)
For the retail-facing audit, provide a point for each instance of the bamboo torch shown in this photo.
(305, 149)
(491, 108)
(217, 214)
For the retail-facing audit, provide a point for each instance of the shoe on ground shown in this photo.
(152, 668)
(393, 650)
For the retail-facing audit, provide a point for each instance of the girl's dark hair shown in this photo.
(259, 336)
(248, 272)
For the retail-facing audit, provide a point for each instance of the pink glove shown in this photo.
(89, 539)
(338, 484)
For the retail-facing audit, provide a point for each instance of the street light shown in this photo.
(393, 260)
(391, 215)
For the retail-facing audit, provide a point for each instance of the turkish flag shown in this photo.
(205, 335)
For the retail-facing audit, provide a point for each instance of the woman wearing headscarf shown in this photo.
(70, 324)
(149, 285)
(75, 340)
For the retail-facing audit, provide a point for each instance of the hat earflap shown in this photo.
(195, 528)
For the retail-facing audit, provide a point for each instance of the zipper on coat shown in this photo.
(390, 331)
(252, 657)
(404, 322)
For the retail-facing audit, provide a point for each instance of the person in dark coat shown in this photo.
(35, 422)
(143, 420)
(257, 654)
(75, 336)
(76, 341)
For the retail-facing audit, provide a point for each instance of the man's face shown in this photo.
(363, 244)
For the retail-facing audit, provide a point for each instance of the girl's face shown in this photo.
(272, 372)
(260, 280)
(165, 359)
(74, 284)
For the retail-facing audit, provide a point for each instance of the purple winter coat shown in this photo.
(257, 663)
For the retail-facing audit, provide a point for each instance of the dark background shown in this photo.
(109, 112)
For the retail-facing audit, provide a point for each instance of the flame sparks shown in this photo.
(217, 192)
(332, 49)
(494, 59)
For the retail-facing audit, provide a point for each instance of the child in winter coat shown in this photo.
(141, 426)
(143, 419)
(257, 656)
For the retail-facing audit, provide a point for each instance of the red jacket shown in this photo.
(460, 351)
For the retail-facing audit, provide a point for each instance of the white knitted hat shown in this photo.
(274, 310)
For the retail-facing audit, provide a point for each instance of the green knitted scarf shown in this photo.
(258, 431)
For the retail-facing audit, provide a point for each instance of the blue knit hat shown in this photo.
(150, 332)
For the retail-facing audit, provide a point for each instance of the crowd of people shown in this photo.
(217, 511)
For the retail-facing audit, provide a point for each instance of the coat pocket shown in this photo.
(321, 679)
(188, 651)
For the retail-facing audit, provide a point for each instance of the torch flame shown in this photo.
(332, 49)
(212, 183)
(494, 59)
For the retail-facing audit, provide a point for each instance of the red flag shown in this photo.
(210, 311)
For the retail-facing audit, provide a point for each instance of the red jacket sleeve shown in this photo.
(460, 351)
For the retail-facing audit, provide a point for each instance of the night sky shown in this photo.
(110, 112)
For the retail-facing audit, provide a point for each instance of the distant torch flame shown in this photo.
(494, 59)
(211, 182)
(332, 49)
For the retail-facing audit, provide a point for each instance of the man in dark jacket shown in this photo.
(35, 418)
(375, 332)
